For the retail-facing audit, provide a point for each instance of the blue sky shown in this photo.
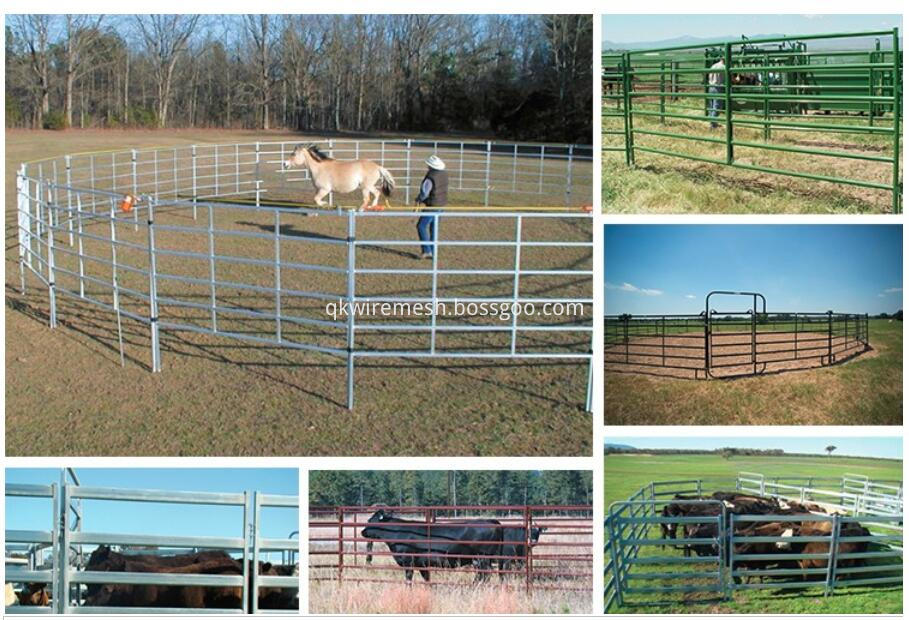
(668, 269)
(644, 28)
(152, 518)
(884, 447)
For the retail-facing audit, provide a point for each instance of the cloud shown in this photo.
(690, 297)
(893, 290)
(631, 288)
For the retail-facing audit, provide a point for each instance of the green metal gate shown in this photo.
(660, 101)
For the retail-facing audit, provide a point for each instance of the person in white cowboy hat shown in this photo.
(433, 193)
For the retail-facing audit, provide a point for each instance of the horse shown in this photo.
(329, 175)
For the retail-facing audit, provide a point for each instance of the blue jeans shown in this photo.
(715, 104)
(427, 230)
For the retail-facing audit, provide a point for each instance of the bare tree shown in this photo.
(80, 33)
(34, 30)
(261, 31)
(165, 38)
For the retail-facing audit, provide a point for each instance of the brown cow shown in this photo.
(196, 597)
(825, 528)
(34, 594)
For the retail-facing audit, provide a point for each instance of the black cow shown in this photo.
(514, 549)
(420, 545)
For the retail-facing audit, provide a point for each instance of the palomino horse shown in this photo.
(329, 175)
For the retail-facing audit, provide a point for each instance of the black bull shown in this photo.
(422, 545)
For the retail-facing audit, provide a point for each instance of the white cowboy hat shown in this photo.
(435, 163)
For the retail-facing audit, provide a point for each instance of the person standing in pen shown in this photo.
(715, 81)
(433, 193)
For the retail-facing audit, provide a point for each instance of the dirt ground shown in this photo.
(865, 389)
(730, 354)
(219, 396)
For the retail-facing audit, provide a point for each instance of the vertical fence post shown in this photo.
(542, 170)
(56, 598)
(516, 284)
(830, 336)
(69, 197)
(23, 221)
(830, 581)
(51, 268)
(341, 544)
(662, 93)
(728, 89)
(795, 332)
(331, 195)
(528, 538)
(461, 167)
(136, 184)
(407, 174)
(115, 284)
(514, 169)
(211, 269)
(486, 182)
(766, 90)
(63, 518)
(351, 294)
(258, 175)
(237, 168)
(435, 282)
(897, 102)
(246, 559)
(427, 516)
(627, 103)
(257, 507)
(614, 556)
(195, 182)
(277, 274)
(153, 289)
(568, 175)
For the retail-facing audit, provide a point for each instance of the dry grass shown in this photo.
(218, 396)
(662, 184)
(489, 600)
(453, 591)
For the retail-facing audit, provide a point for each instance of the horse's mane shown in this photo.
(317, 154)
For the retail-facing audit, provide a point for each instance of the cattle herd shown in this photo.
(486, 545)
(104, 559)
(743, 504)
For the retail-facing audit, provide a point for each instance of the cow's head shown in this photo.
(380, 516)
(99, 594)
(535, 533)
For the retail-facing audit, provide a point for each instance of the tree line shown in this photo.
(728, 452)
(449, 488)
(521, 77)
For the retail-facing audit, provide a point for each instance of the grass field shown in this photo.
(663, 184)
(218, 396)
(624, 474)
(864, 390)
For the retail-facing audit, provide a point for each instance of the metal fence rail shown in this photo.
(722, 343)
(67, 574)
(658, 101)
(638, 547)
(202, 258)
(561, 558)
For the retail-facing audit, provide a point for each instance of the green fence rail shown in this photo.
(729, 101)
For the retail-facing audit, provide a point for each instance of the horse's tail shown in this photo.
(388, 181)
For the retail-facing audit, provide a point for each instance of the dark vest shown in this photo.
(438, 197)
